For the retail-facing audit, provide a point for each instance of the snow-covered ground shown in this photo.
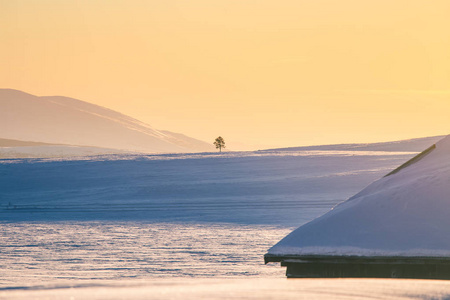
(36, 254)
(280, 188)
(248, 288)
(177, 226)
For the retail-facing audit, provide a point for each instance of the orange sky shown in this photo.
(257, 72)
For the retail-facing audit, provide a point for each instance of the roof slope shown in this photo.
(404, 214)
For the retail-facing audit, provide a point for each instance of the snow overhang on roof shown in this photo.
(404, 214)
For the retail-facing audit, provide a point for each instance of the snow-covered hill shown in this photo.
(63, 120)
(6, 143)
(417, 144)
(55, 151)
(10, 149)
(284, 188)
(406, 213)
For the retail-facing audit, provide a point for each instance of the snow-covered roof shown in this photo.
(404, 214)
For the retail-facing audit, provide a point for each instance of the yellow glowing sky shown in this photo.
(266, 73)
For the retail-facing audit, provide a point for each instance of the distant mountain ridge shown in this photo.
(17, 143)
(64, 120)
(410, 145)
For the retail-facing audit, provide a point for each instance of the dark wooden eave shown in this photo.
(323, 266)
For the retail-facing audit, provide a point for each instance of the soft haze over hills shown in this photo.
(64, 120)
(266, 74)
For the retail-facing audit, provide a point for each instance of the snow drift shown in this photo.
(404, 214)
(63, 120)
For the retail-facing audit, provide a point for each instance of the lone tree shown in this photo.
(219, 143)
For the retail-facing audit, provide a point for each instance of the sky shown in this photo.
(260, 73)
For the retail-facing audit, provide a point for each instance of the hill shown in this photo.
(410, 145)
(63, 120)
(17, 143)
(10, 149)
